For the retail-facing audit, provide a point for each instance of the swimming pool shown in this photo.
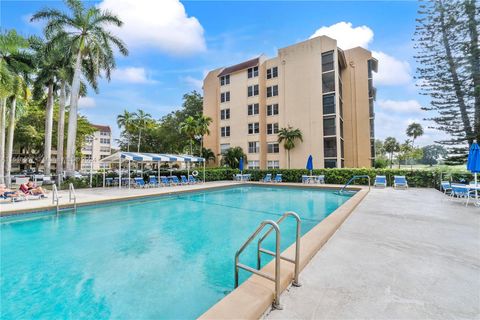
(163, 257)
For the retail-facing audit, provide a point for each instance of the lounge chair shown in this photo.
(164, 180)
(267, 178)
(191, 179)
(109, 182)
(305, 179)
(174, 180)
(152, 181)
(320, 179)
(400, 182)
(183, 179)
(380, 181)
(461, 191)
(278, 178)
(446, 187)
(27, 194)
(139, 182)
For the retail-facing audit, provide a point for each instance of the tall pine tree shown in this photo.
(446, 40)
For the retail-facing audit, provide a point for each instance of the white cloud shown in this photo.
(131, 75)
(86, 102)
(347, 36)
(391, 71)
(405, 106)
(157, 24)
(196, 83)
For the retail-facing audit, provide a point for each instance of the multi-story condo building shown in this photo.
(314, 86)
(97, 146)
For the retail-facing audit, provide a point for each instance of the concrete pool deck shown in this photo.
(402, 254)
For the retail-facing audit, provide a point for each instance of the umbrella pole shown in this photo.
(158, 181)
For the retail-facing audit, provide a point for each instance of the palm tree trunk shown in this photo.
(3, 122)
(11, 131)
(72, 118)
(128, 142)
(139, 139)
(48, 131)
(61, 129)
(391, 160)
(288, 155)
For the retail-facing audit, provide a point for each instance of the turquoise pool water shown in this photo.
(166, 257)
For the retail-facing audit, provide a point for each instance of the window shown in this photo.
(272, 109)
(254, 147)
(225, 96)
(104, 149)
(273, 147)
(88, 139)
(252, 90)
(224, 147)
(272, 73)
(372, 128)
(329, 103)
(253, 164)
(329, 126)
(328, 82)
(330, 163)
(341, 128)
(104, 133)
(272, 128)
(342, 149)
(104, 140)
(225, 131)
(327, 61)
(370, 69)
(224, 114)
(273, 164)
(224, 80)
(253, 109)
(330, 147)
(87, 157)
(272, 91)
(103, 156)
(371, 109)
(253, 128)
(252, 72)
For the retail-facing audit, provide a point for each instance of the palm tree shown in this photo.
(208, 155)
(414, 130)
(14, 59)
(289, 136)
(141, 119)
(84, 29)
(190, 128)
(48, 65)
(391, 145)
(203, 123)
(126, 121)
(15, 64)
(232, 156)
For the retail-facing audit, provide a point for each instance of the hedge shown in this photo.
(416, 178)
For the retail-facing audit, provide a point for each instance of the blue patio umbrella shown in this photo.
(240, 164)
(310, 164)
(473, 163)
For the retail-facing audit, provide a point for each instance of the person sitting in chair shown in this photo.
(31, 188)
(7, 193)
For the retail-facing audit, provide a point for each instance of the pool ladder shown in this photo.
(71, 197)
(353, 179)
(274, 226)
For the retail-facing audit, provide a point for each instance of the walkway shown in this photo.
(400, 255)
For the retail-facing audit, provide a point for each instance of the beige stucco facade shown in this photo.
(307, 75)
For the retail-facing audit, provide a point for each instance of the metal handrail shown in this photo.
(72, 195)
(296, 262)
(276, 279)
(353, 179)
(55, 196)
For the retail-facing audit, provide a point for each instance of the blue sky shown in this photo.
(173, 44)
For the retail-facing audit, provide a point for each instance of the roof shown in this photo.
(150, 157)
(241, 66)
(102, 128)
